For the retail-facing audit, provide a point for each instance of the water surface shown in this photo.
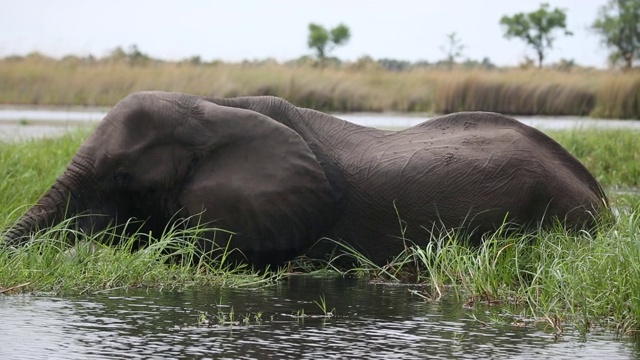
(18, 123)
(375, 321)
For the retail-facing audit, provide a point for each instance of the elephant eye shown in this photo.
(122, 176)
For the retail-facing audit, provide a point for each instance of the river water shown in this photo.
(370, 320)
(17, 123)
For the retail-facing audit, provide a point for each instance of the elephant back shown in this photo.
(468, 126)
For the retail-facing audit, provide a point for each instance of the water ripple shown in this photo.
(372, 321)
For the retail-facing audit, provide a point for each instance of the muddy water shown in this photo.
(373, 321)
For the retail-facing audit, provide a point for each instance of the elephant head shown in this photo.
(159, 156)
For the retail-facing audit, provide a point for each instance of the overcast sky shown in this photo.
(235, 30)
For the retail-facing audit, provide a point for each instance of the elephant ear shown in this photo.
(255, 177)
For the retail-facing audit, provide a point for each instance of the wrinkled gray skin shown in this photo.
(282, 176)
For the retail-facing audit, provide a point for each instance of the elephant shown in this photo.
(280, 177)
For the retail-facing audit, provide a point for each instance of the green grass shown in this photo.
(588, 281)
(612, 155)
(48, 263)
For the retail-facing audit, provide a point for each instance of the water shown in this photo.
(375, 321)
(541, 122)
(24, 123)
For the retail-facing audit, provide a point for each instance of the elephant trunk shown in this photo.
(60, 201)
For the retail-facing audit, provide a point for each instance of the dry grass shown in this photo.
(521, 92)
(350, 87)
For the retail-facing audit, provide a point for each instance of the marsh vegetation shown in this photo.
(364, 85)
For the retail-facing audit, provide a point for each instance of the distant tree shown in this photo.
(366, 63)
(195, 60)
(565, 65)
(117, 55)
(421, 64)
(394, 65)
(137, 57)
(536, 28)
(39, 57)
(527, 63)
(304, 60)
(323, 41)
(452, 49)
(485, 63)
(618, 23)
(134, 56)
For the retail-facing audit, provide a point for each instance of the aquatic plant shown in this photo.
(322, 304)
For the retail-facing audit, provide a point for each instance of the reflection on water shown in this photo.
(372, 321)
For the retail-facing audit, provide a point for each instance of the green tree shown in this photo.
(452, 49)
(536, 28)
(323, 41)
(133, 57)
(618, 24)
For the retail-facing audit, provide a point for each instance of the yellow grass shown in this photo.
(349, 87)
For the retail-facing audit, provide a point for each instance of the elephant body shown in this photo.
(281, 176)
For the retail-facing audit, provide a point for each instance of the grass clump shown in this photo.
(589, 281)
(172, 261)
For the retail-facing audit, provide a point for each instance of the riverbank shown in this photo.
(360, 86)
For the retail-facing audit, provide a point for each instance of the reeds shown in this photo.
(532, 92)
(349, 87)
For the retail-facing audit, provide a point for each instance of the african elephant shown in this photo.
(281, 176)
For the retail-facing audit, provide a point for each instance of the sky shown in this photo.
(237, 30)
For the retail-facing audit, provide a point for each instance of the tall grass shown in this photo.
(59, 83)
(531, 92)
(619, 97)
(349, 87)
